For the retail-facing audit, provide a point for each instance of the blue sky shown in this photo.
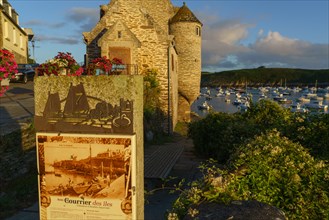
(236, 34)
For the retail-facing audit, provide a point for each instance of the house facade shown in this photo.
(12, 36)
(153, 35)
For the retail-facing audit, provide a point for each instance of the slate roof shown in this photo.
(184, 14)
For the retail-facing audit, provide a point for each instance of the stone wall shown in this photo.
(173, 89)
(188, 45)
(1, 31)
(161, 12)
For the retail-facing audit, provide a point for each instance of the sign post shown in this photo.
(90, 147)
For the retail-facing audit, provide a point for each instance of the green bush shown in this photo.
(153, 115)
(270, 169)
(217, 135)
(267, 114)
(311, 131)
(282, 173)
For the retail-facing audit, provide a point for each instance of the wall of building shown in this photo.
(188, 45)
(173, 79)
(151, 50)
(13, 38)
(144, 30)
(1, 29)
(161, 12)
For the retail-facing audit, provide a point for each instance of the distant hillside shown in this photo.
(266, 77)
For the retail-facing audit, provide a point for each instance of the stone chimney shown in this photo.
(15, 16)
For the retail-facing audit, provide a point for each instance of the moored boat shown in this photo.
(204, 106)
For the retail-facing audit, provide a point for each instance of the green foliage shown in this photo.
(267, 114)
(269, 152)
(281, 173)
(217, 135)
(311, 131)
(151, 92)
(182, 128)
(153, 115)
(270, 169)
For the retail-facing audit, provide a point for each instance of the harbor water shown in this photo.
(225, 103)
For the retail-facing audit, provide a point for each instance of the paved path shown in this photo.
(16, 106)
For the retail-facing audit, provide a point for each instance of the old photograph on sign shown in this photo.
(86, 176)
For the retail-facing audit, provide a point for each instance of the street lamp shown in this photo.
(32, 42)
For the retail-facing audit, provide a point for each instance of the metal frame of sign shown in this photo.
(86, 176)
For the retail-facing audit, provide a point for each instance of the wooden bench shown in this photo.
(159, 162)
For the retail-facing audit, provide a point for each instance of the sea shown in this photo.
(218, 104)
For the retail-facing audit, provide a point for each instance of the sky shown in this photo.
(235, 34)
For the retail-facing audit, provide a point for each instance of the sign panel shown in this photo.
(85, 176)
(74, 113)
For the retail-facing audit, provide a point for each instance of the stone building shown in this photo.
(153, 35)
(12, 36)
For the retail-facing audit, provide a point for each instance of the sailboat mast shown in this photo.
(102, 170)
(91, 166)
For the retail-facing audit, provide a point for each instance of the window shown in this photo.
(6, 29)
(198, 31)
(119, 34)
(21, 41)
(14, 36)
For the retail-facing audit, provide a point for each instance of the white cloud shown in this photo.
(222, 40)
(275, 49)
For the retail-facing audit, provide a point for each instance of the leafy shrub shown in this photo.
(282, 173)
(153, 116)
(217, 135)
(270, 169)
(267, 114)
(311, 131)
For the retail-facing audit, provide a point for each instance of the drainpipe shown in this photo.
(169, 97)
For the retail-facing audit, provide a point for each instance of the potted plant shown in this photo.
(8, 67)
(61, 64)
(104, 66)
